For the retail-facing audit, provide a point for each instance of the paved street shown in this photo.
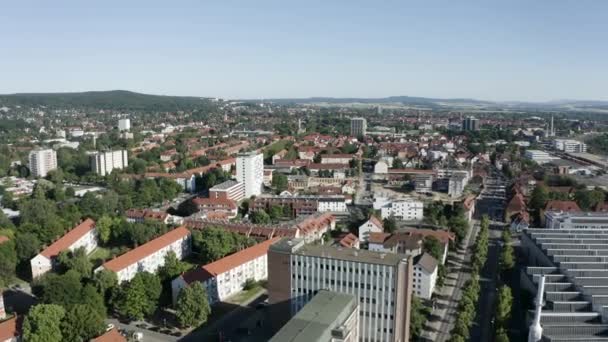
(149, 336)
(441, 321)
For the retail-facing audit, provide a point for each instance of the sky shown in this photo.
(491, 50)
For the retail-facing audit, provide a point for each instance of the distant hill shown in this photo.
(384, 100)
(113, 99)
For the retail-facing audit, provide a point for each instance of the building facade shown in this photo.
(470, 124)
(358, 127)
(302, 205)
(83, 235)
(230, 189)
(42, 161)
(250, 172)
(381, 282)
(424, 276)
(570, 146)
(576, 220)
(373, 225)
(538, 156)
(149, 256)
(227, 276)
(124, 125)
(404, 210)
(102, 163)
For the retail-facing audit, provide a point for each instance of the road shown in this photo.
(483, 327)
(149, 336)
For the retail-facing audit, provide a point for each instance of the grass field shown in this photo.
(99, 255)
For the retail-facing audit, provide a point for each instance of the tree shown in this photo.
(104, 228)
(588, 199)
(390, 224)
(82, 323)
(539, 198)
(27, 245)
(212, 243)
(260, 217)
(276, 212)
(192, 307)
(418, 317)
(63, 289)
(501, 336)
(279, 182)
(434, 247)
(398, 163)
(138, 298)
(8, 262)
(43, 323)
(172, 267)
(104, 281)
(76, 260)
(503, 308)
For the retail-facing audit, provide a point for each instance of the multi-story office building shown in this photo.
(42, 161)
(227, 276)
(229, 189)
(570, 146)
(358, 127)
(470, 124)
(538, 156)
(328, 317)
(102, 163)
(83, 235)
(149, 256)
(423, 183)
(576, 220)
(381, 282)
(124, 125)
(250, 172)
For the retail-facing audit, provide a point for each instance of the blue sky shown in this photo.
(509, 50)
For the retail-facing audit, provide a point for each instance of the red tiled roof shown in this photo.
(378, 237)
(562, 206)
(229, 262)
(349, 240)
(69, 239)
(412, 171)
(441, 235)
(517, 203)
(146, 249)
(10, 328)
(377, 222)
(110, 336)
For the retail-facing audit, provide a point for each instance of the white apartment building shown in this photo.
(373, 225)
(229, 189)
(424, 276)
(83, 235)
(538, 156)
(102, 163)
(227, 276)
(576, 220)
(149, 256)
(250, 172)
(337, 158)
(569, 146)
(124, 125)
(331, 204)
(403, 210)
(380, 281)
(358, 127)
(42, 161)
(456, 185)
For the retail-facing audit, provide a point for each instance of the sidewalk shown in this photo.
(441, 320)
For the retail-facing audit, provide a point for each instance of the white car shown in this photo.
(109, 327)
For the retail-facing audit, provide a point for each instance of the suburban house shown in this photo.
(227, 276)
(83, 235)
(424, 276)
(149, 256)
(373, 225)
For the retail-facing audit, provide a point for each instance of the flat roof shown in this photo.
(297, 247)
(225, 185)
(315, 322)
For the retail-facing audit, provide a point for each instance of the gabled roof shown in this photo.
(562, 206)
(376, 222)
(110, 336)
(10, 328)
(146, 249)
(229, 262)
(349, 240)
(68, 239)
(427, 262)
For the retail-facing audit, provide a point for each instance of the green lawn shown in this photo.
(244, 295)
(99, 255)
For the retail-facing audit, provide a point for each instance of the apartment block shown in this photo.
(42, 161)
(124, 125)
(302, 205)
(250, 172)
(570, 146)
(358, 127)
(231, 190)
(381, 282)
(102, 163)
(83, 235)
(149, 256)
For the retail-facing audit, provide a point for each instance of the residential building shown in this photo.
(570, 146)
(559, 206)
(358, 127)
(409, 241)
(373, 225)
(423, 183)
(381, 282)
(227, 276)
(540, 157)
(10, 330)
(268, 173)
(381, 168)
(124, 125)
(250, 172)
(42, 161)
(102, 163)
(141, 215)
(456, 185)
(576, 220)
(149, 256)
(230, 190)
(328, 317)
(337, 158)
(470, 124)
(424, 276)
(406, 209)
(302, 205)
(347, 240)
(83, 235)
(214, 205)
